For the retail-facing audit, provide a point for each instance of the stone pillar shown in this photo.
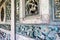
(22, 9)
(12, 21)
(44, 10)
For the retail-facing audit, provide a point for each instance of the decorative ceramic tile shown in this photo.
(8, 10)
(5, 26)
(43, 32)
(4, 36)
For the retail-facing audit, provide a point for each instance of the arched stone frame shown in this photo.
(43, 16)
(2, 7)
(5, 14)
(12, 32)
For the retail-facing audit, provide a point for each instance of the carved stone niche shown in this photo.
(34, 11)
(2, 13)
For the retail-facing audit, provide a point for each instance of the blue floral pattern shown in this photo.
(43, 32)
(4, 36)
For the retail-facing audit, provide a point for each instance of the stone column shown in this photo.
(22, 9)
(12, 21)
(44, 10)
